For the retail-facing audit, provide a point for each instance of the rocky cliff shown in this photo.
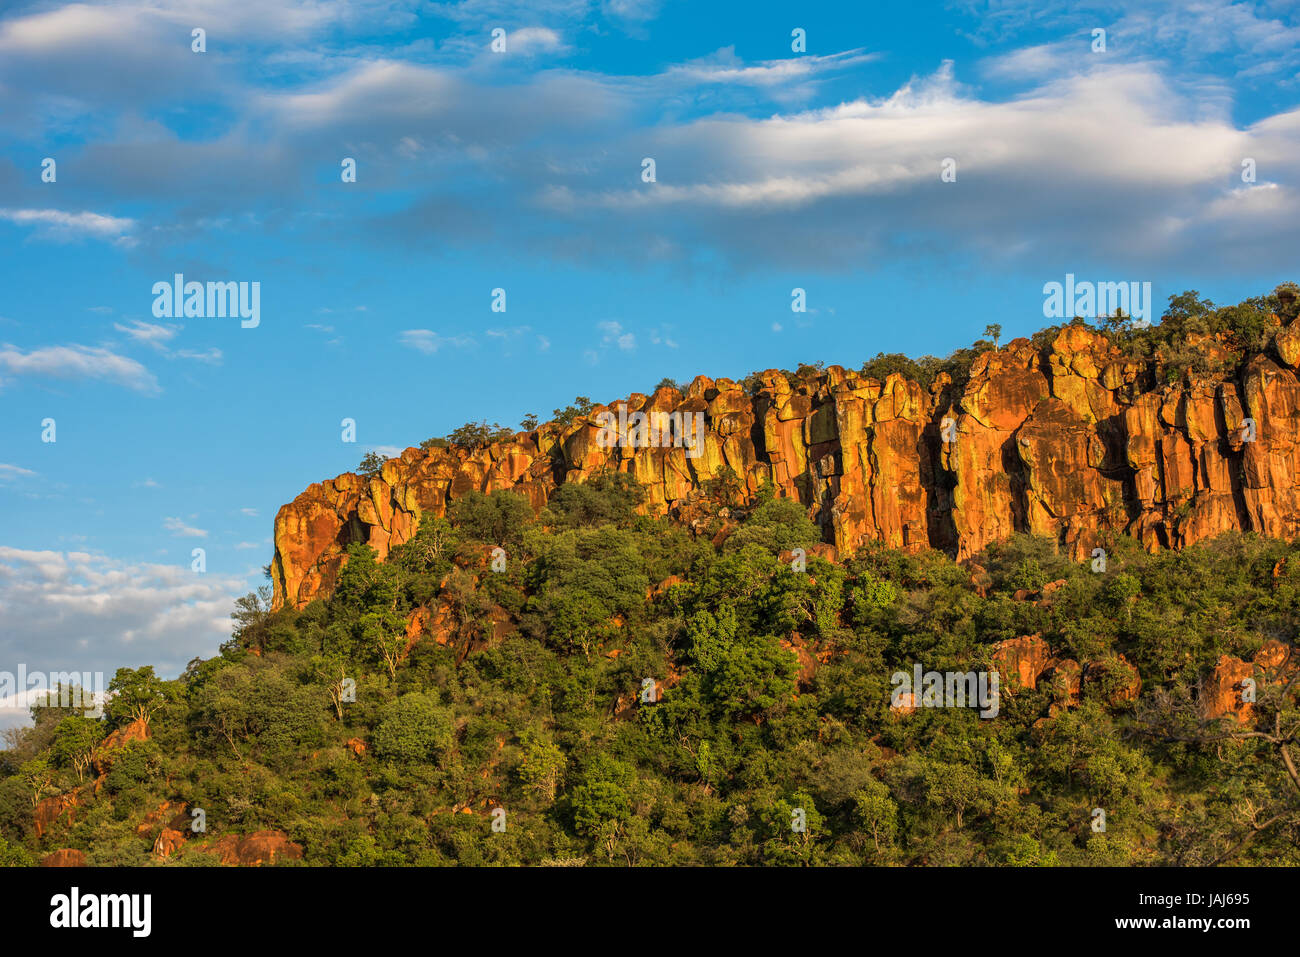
(1067, 439)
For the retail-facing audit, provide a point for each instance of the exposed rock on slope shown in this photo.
(1070, 440)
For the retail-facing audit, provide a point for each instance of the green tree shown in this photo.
(372, 464)
(414, 729)
(135, 695)
(75, 739)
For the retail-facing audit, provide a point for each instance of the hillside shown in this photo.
(510, 655)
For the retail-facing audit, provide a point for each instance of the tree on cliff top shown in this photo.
(580, 407)
(371, 464)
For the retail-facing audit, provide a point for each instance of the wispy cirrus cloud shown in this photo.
(180, 529)
(59, 226)
(725, 67)
(148, 333)
(429, 342)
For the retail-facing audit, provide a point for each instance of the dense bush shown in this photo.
(657, 699)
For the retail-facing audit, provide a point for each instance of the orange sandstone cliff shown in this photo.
(1069, 440)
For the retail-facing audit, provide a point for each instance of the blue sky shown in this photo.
(522, 170)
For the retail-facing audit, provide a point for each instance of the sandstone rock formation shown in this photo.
(50, 809)
(1027, 662)
(251, 850)
(1069, 440)
(102, 760)
(64, 857)
(1223, 694)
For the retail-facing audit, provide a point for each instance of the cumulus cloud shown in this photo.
(67, 611)
(1101, 163)
(533, 40)
(1116, 158)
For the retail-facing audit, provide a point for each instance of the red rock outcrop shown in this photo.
(252, 850)
(50, 809)
(1068, 439)
(1027, 662)
(102, 760)
(1020, 661)
(64, 857)
(168, 841)
(171, 812)
(1222, 695)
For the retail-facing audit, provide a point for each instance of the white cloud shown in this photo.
(614, 334)
(156, 336)
(149, 333)
(539, 158)
(212, 355)
(14, 471)
(78, 362)
(55, 224)
(66, 611)
(429, 342)
(1036, 62)
(725, 67)
(1065, 163)
(178, 528)
(661, 337)
(533, 40)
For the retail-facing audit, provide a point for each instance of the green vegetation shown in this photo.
(1244, 329)
(571, 413)
(372, 463)
(550, 719)
(1171, 348)
(473, 436)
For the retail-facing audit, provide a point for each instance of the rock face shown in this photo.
(51, 809)
(251, 850)
(1225, 696)
(1069, 440)
(64, 857)
(167, 825)
(102, 760)
(1028, 663)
